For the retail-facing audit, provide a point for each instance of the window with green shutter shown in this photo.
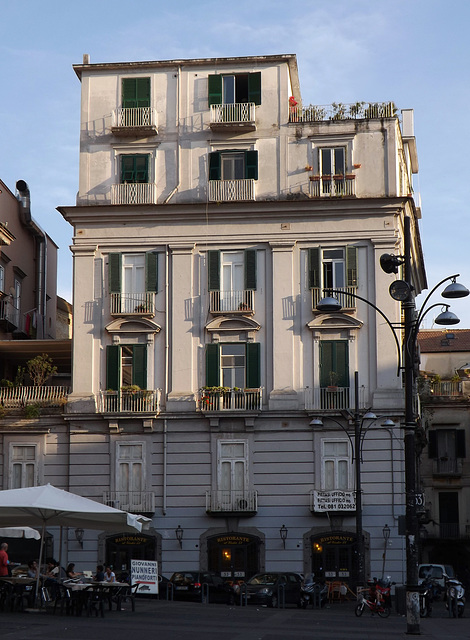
(234, 88)
(233, 365)
(134, 169)
(233, 165)
(334, 365)
(126, 365)
(116, 276)
(334, 268)
(135, 92)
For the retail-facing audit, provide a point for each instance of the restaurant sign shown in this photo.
(334, 501)
(233, 539)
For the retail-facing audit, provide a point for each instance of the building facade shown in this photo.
(214, 212)
(444, 468)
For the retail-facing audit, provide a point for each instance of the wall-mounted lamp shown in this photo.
(283, 533)
(79, 536)
(179, 535)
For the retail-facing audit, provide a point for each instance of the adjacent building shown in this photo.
(214, 211)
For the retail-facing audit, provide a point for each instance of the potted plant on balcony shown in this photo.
(333, 386)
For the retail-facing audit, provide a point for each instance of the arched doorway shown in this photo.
(122, 548)
(234, 555)
(334, 556)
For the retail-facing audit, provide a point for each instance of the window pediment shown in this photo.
(334, 321)
(231, 323)
(134, 325)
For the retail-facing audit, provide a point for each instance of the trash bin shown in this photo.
(400, 600)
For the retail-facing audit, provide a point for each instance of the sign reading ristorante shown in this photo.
(233, 539)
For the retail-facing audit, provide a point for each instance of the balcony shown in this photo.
(332, 186)
(133, 304)
(339, 111)
(232, 502)
(134, 193)
(329, 398)
(19, 397)
(142, 401)
(446, 388)
(447, 531)
(138, 502)
(137, 121)
(345, 296)
(233, 117)
(231, 190)
(9, 315)
(239, 302)
(223, 399)
(447, 466)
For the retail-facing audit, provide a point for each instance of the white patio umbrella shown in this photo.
(19, 532)
(48, 506)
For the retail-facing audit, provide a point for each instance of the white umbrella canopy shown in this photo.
(48, 506)
(19, 532)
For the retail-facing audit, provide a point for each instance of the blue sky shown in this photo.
(414, 52)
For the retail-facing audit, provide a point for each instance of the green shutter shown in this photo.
(215, 89)
(213, 270)
(254, 87)
(141, 169)
(251, 165)
(135, 92)
(253, 365)
(127, 169)
(134, 168)
(250, 269)
(212, 365)
(113, 361)
(214, 166)
(114, 272)
(334, 358)
(139, 365)
(151, 272)
(351, 266)
(313, 267)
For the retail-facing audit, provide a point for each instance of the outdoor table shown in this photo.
(13, 590)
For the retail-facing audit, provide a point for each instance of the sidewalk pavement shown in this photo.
(162, 620)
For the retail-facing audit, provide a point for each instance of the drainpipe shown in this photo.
(165, 447)
(40, 235)
(178, 112)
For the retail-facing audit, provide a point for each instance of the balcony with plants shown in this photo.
(213, 399)
(234, 302)
(338, 111)
(133, 304)
(129, 399)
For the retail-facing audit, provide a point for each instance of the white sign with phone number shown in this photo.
(145, 572)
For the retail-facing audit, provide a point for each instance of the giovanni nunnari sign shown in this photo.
(334, 501)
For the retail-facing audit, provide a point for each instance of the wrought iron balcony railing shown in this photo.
(240, 113)
(135, 117)
(220, 501)
(131, 501)
(231, 190)
(332, 186)
(143, 401)
(134, 193)
(132, 304)
(342, 294)
(18, 397)
(324, 398)
(241, 302)
(223, 399)
(340, 111)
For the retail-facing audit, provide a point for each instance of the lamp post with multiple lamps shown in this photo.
(403, 291)
(360, 430)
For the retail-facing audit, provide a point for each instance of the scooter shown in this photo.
(426, 590)
(384, 587)
(312, 592)
(455, 597)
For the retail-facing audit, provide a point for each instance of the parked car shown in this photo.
(194, 585)
(267, 588)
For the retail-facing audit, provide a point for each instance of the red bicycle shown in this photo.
(374, 602)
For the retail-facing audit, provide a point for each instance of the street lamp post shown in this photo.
(403, 291)
(356, 445)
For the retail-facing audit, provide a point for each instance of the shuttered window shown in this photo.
(233, 365)
(213, 270)
(332, 267)
(244, 87)
(334, 366)
(135, 92)
(115, 275)
(125, 365)
(134, 169)
(244, 165)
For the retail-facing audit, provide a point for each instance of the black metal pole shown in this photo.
(357, 458)
(410, 337)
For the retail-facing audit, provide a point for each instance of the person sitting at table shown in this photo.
(52, 569)
(32, 569)
(71, 573)
(99, 577)
(109, 575)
